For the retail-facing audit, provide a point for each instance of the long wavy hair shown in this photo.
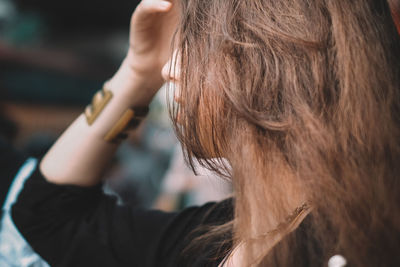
(301, 93)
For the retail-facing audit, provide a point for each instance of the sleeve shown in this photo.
(81, 226)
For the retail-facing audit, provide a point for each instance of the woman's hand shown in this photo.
(152, 26)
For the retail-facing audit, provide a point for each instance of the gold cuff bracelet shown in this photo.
(99, 101)
(129, 120)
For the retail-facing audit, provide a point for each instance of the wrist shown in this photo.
(138, 88)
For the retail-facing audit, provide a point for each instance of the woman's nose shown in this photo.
(165, 71)
(170, 71)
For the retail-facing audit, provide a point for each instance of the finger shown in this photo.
(154, 6)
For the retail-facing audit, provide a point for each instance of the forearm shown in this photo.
(81, 154)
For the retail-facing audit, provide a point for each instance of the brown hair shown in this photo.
(302, 99)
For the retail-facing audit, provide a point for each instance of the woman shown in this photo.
(300, 98)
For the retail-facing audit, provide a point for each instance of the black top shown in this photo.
(81, 226)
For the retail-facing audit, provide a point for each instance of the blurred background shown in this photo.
(54, 55)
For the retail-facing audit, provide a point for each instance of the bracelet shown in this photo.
(129, 120)
(99, 102)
